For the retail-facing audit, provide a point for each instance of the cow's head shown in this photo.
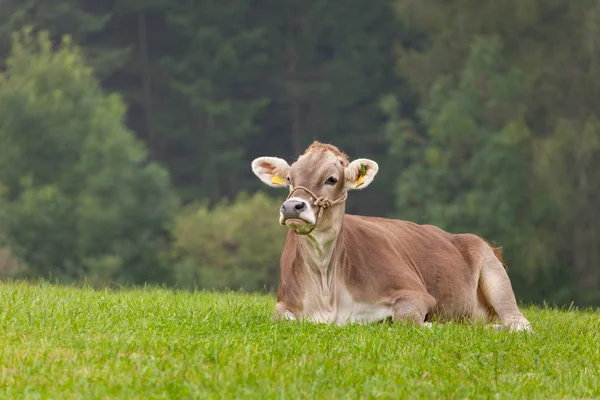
(327, 174)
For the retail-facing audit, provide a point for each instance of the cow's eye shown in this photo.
(331, 181)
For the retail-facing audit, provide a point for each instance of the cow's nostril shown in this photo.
(300, 206)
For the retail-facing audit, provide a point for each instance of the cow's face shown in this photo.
(323, 170)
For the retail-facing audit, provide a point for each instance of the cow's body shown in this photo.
(366, 269)
(375, 261)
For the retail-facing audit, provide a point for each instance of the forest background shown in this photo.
(127, 129)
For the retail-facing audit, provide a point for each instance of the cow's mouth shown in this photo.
(298, 225)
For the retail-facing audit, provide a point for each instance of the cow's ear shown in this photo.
(360, 173)
(271, 170)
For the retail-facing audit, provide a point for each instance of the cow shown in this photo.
(339, 268)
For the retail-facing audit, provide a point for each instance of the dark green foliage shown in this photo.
(81, 20)
(509, 142)
(214, 69)
(473, 157)
(235, 245)
(79, 194)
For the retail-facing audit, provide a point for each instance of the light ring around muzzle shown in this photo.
(321, 202)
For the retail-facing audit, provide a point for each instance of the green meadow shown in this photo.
(60, 342)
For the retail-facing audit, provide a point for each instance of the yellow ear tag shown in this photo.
(361, 176)
(276, 179)
(359, 181)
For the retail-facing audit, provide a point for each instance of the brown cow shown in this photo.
(339, 268)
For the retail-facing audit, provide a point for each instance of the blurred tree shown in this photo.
(233, 245)
(328, 64)
(80, 191)
(465, 172)
(568, 164)
(138, 26)
(210, 86)
(214, 67)
(495, 156)
(80, 19)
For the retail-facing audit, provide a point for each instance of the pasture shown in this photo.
(66, 342)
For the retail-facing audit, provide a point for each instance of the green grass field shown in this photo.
(63, 342)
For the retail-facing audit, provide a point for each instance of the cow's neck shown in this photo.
(321, 251)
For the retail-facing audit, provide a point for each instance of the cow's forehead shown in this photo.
(315, 162)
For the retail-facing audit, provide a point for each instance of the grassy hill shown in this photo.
(63, 342)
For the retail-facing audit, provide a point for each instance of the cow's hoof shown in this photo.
(520, 327)
(517, 326)
(283, 314)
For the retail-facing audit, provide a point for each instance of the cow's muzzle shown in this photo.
(298, 214)
(293, 208)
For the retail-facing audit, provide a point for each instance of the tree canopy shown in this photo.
(78, 191)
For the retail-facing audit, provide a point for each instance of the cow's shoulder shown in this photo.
(384, 255)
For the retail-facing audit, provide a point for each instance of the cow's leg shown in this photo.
(282, 313)
(496, 287)
(412, 307)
